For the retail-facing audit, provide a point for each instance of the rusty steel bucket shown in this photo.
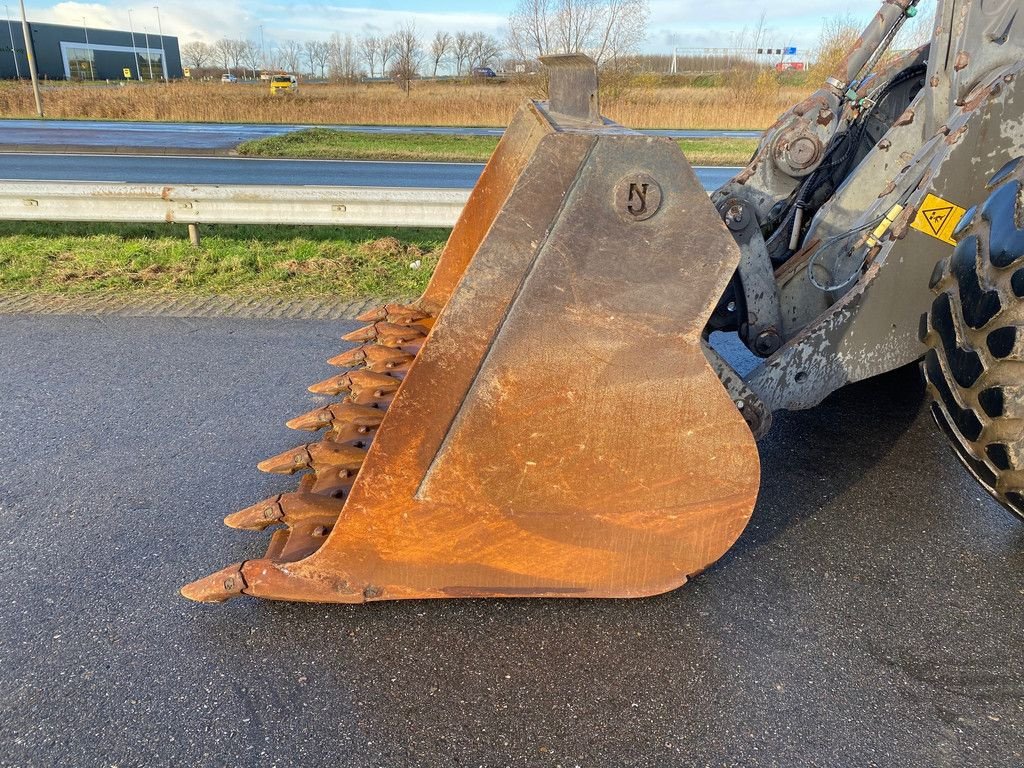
(542, 421)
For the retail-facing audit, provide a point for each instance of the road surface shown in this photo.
(236, 170)
(871, 615)
(155, 135)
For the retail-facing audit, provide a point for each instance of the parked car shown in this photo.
(227, 77)
(484, 72)
(282, 83)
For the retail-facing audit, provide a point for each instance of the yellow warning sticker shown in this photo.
(938, 218)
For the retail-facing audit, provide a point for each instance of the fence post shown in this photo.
(193, 234)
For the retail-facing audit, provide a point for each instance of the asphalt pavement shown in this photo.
(871, 614)
(162, 169)
(157, 135)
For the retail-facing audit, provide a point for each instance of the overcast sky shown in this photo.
(696, 23)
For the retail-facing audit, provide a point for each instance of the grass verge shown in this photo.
(325, 143)
(344, 262)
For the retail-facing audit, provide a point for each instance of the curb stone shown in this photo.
(178, 305)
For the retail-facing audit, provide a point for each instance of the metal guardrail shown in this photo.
(214, 204)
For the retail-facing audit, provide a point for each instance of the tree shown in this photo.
(386, 51)
(484, 50)
(342, 62)
(291, 55)
(368, 52)
(317, 54)
(237, 48)
(602, 29)
(197, 54)
(461, 50)
(252, 57)
(408, 53)
(440, 47)
(224, 49)
(531, 27)
(838, 33)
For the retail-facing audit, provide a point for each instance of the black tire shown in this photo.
(974, 331)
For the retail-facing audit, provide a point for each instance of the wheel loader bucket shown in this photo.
(542, 421)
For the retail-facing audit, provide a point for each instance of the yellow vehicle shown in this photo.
(281, 83)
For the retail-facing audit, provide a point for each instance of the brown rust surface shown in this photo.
(504, 168)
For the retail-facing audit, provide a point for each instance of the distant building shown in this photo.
(87, 53)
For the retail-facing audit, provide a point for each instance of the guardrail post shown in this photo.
(193, 234)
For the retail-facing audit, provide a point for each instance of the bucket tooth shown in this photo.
(334, 385)
(314, 456)
(388, 334)
(329, 455)
(258, 516)
(366, 333)
(401, 314)
(287, 463)
(345, 421)
(365, 387)
(217, 587)
(288, 509)
(375, 358)
(313, 420)
(352, 358)
(368, 387)
(273, 580)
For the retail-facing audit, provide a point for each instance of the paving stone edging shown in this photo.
(127, 305)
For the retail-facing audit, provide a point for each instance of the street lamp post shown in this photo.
(14, 53)
(163, 53)
(263, 50)
(92, 72)
(135, 50)
(149, 58)
(30, 54)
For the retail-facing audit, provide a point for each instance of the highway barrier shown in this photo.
(216, 204)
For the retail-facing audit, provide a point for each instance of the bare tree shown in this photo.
(484, 50)
(291, 55)
(317, 54)
(343, 62)
(623, 27)
(530, 28)
(603, 29)
(386, 51)
(408, 55)
(368, 52)
(252, 57)
(237, 48)
(224, 50)
(275, 62)
(838, 33)
(461, 50)
(197, 54)
(440, 48)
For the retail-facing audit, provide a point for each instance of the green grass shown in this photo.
(344, 262)
(326, 143)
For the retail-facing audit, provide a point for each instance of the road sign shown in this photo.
(187, 72)
(127, 73)
(791, 51)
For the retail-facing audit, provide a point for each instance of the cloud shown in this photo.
(687, 23)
